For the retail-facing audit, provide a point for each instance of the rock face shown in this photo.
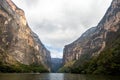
(56, 63)
(96, 39)
(17, 42)
(74, 50)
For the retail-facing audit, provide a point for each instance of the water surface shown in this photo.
(55, 76)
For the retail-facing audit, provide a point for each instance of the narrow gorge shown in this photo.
(96, 51)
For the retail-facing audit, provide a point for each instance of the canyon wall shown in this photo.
(18, 43)
(104, 37)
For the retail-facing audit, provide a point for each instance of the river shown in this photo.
(54, 76)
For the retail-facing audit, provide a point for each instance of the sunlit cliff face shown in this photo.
(19, 44)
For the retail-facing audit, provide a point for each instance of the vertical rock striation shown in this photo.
(96, 39)
(18, 44)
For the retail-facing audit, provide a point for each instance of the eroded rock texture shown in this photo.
(96, 39)
(17, 41)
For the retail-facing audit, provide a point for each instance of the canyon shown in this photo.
(96, 51)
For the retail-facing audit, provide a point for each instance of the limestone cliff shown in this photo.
(74, 50)
(96, 39)
(18, 44)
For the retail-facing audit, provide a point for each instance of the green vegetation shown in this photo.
(107, 62)
(67, 67)
(21, 68)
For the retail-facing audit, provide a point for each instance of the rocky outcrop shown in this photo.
(44, 53)
(96, 39)
(18, 44)
(74, 50)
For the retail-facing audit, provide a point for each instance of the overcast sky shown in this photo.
(60, 22)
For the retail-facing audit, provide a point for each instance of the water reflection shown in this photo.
(55, 76)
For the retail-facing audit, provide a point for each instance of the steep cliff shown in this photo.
(18, 44)
(95, 42)
(74, 50)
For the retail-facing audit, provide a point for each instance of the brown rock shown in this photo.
(96, 39)
(17, 41)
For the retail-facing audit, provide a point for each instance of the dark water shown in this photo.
(55, 76)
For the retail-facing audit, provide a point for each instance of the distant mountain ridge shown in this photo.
(96, 48)
(56, 63)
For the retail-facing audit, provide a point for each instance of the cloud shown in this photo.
(56, 52)
(60, 22)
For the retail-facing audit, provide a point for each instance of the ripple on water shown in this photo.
(55, 76)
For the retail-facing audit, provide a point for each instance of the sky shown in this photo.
(60, 22)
